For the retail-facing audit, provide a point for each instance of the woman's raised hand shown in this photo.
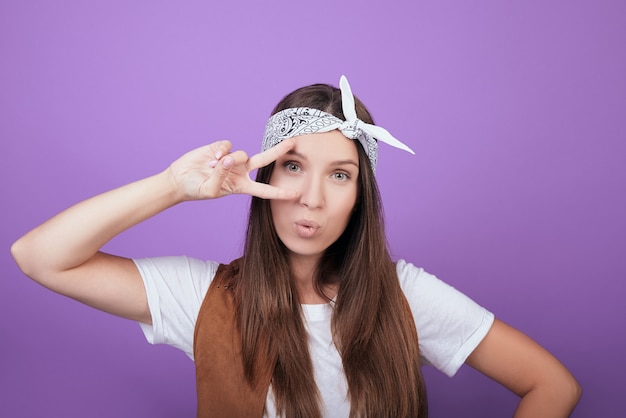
(213, 171)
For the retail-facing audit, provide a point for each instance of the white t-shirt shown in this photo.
(449, 324)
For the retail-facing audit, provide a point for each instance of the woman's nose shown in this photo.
(312, 193)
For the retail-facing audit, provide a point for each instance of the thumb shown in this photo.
(214, 184)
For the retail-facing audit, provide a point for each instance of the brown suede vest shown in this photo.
(223, 391)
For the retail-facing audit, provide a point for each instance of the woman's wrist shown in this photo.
(169, 186)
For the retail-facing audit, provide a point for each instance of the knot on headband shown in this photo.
(305, 120)
(352, 129)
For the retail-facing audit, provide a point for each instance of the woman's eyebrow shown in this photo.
(333, 163)
(345, 162)
(296, 154)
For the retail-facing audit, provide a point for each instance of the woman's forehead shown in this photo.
(328, 147)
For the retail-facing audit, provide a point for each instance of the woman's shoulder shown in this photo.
(410, 274)
(175, 287)
(425, 289)
(449, 323)
(183, 270)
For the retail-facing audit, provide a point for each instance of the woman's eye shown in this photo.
(341, 176)
(293, 167)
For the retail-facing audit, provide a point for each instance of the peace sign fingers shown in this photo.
(262, 159)
(268, 156)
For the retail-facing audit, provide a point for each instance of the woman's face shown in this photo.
(324, 169)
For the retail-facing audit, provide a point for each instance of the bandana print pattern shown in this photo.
(305, 120)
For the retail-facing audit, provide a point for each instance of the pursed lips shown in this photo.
(306, 228)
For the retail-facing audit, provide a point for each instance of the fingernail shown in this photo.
(228, 162)
(213, 163)
(218, 155)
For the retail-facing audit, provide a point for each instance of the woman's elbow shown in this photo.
(26, 258)
(19, 253)
(566, 391)
(574, 391)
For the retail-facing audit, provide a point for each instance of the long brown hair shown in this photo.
(372, 324)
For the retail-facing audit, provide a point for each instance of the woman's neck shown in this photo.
(303, 274)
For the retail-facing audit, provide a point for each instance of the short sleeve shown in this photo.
(175, 287)
(449, 324)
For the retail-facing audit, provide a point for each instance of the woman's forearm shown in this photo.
(76, 234)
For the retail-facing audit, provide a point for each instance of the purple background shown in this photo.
(516, 195)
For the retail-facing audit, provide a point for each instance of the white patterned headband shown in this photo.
(305, 120)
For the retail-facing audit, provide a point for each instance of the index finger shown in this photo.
(265, 191)
(266, 157)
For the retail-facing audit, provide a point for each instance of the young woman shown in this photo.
(314, 319)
